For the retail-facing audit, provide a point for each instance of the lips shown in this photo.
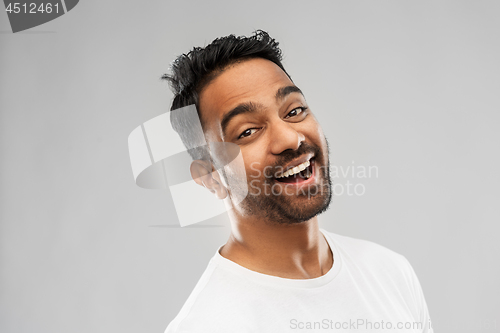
(296, 162)
(294, 170)
(296, 176)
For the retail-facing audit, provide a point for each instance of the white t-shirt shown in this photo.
(368, 289)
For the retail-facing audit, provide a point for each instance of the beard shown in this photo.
(290, 208)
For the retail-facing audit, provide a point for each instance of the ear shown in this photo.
(202, 174)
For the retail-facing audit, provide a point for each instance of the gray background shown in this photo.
(409, 86)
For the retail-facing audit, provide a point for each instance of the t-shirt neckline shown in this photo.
(227, 264)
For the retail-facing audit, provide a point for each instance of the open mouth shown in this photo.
(297, 174)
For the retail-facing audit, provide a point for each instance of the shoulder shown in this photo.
(368, 253)
(390, 270)
(377, 261)
(216, 294)
(357, 245)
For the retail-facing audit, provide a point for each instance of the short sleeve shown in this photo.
(418, 294)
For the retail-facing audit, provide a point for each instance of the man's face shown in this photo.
(255, 105)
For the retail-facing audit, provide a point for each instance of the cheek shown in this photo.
(254, 165)
(315, 134)
(314, 131)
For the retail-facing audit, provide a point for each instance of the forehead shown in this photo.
(254, 80)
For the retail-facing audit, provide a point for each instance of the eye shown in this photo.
(247, 132)
(295, 112)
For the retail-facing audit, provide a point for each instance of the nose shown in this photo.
(284, 136)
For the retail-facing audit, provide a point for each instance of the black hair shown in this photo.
(191, 72)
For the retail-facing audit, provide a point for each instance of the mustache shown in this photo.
(289, 155)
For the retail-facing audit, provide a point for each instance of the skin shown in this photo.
(274, 234)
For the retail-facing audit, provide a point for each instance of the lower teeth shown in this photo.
(306, 174)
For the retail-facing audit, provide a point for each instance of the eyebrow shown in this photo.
(243, 108)
(285, 91)
(251, 107)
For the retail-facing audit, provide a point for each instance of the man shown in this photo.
(278, 271)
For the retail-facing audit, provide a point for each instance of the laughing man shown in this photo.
(278, 271)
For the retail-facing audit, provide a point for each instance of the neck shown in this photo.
(295, 251)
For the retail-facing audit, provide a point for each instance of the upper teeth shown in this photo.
(294, 170)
